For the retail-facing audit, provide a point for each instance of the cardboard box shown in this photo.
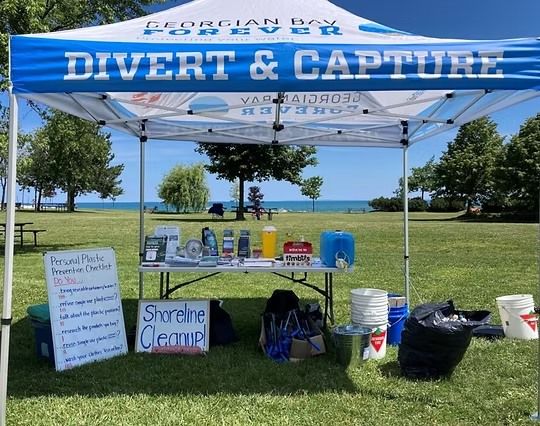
(300, 349)
(297, 253)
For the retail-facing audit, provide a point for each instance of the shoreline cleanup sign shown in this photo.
(86, 312)
(173, 326)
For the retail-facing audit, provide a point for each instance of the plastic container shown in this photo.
(269, 242)
(396, 320)
(352, 344)
(369, 306)
(517, 315)
(337, 245)
(41, 323)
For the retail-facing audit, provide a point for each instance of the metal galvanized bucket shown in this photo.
(352, 344)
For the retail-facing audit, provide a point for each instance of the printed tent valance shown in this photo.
(291, 72)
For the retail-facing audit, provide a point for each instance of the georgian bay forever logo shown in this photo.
(295, 104)
(242, 27)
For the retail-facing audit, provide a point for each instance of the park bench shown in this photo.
(35, 232)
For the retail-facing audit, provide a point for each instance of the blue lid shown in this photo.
(39, 312)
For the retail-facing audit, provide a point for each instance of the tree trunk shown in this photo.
(313, 199)
(469, 206)
(422, 194)
(37, 199)
(71, 201)
(240, 210)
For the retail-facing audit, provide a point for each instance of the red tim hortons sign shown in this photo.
(297, 253)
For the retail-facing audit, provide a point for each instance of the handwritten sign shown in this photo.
(86, 312)
(172, 325)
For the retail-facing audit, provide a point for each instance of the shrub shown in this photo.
(393, 204)
(417, 205)
(442, 204)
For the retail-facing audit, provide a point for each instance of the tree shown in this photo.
(311, 188)
(80, 156)
(185, 188)
(467, 169)
(36, 16)
(422, 179)
(521, 166)
(249, 163)
(32, 172)
(23, 141)
(255, 197)
(108, 184)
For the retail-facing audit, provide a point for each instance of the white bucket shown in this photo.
(377, 344)
(368, 294)
(369, 308)
(367, 317)
(517, 315)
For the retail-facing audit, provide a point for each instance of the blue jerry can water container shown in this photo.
(336, 245)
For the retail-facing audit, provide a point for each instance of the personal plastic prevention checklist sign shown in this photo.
(85, 304)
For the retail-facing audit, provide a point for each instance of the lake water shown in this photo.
(291, 206)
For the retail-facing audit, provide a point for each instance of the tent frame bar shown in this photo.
(405, 143)
(8, 250)
(142, 147)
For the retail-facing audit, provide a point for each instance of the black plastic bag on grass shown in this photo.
(435, 338)
(222, 331)
(281, 302)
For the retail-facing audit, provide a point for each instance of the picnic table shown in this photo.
(257, 213)
(20, 230)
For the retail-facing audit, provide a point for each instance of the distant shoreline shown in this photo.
(343, 206)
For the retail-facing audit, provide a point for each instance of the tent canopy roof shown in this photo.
(288, 71)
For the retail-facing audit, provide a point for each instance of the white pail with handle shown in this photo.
(518, 318)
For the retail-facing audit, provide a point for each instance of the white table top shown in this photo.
(242, 268)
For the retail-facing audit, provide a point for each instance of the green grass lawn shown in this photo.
(469, 262)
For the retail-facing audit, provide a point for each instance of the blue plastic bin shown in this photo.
(41, 323)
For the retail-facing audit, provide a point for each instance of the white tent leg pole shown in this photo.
(8, 254)
(142, 141)
(536, 415)
(406, 215)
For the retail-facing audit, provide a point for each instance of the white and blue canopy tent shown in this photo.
(295, 72)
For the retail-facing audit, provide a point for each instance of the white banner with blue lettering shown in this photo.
(286, 71)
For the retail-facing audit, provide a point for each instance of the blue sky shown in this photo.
(359, 173)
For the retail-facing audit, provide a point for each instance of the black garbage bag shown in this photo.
(282, 301)
(222, 331)
(435, 338)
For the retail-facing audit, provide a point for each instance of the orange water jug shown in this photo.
(269, 242)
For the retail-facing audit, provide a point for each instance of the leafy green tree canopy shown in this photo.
(80, 156)
(185, 188)
(521, 165)
(467, 169)
(250, 163)
(311, 188)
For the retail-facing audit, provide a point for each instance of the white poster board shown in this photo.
(86, 311)
(172, 325)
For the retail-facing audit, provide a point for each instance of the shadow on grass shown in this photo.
(390, 369)
(239, 368)
(179, 218)
(482, 218)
